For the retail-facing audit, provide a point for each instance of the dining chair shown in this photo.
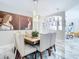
(7, 44)
(23, 49)
(52, 39)
(44, 44)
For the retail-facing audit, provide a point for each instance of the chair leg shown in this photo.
(41, 57)
(54, 47)
(14, 50)
(26, 57)
(22, 57)
(51, 47)
(34, 55)
(49, 51)
(18, 55)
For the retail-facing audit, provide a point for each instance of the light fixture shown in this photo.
(35, 10)
(35, 1)
(35, 15)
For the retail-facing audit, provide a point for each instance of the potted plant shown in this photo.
(35, 34)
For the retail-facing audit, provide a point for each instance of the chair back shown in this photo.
(6, 37)
(44, 41)
(52, 39)
(19, 40)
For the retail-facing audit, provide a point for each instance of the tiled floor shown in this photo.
(72, 48)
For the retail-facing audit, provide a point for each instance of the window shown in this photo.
(59, 19)
(52, 23)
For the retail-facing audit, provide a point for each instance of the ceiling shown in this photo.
(45, 7)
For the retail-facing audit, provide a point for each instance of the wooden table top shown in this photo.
(31, 40)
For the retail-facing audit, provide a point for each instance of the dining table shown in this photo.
(32, 40)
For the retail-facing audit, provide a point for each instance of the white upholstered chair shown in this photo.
(53, 40)
(7, 44)
(23, 49)
(46, 41)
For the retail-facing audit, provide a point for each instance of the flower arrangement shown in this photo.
(35, 34)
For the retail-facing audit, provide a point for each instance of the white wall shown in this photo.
(72, 15)
(13, 6)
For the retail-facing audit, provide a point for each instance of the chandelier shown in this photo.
(35, 10)
(35, 15)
